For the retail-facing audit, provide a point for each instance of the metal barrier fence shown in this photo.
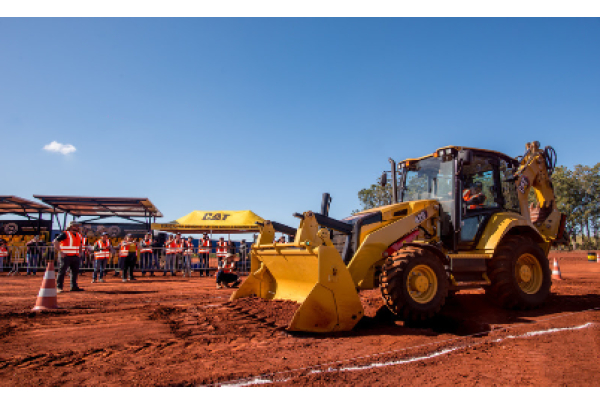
(32, 260)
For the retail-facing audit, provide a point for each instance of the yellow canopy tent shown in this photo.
(218, 222)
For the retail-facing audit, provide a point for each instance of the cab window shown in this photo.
(479, 190)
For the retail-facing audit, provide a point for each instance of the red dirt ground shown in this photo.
(180, 332)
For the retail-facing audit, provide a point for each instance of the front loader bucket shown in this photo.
(317, 278)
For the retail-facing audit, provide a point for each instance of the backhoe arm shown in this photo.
(533, 172)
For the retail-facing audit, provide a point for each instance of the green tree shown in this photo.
(375, 196)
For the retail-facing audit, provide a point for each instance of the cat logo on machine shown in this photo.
(215, 216)
(421, 217)
(523, 183)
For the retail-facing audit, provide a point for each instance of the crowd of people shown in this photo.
(177, 254)
(73, 252)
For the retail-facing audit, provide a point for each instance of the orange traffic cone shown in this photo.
(47, 297)
(598, 257)
(556, 271)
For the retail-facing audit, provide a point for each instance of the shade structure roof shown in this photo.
(102, 206)
(223, 221)
(18, 205)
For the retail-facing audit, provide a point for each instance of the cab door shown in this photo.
(479, 178)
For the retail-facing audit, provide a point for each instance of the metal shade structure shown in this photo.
(23, 207)
(26, 208)
(102, 207)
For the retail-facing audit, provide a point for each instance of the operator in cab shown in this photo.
(473, 197)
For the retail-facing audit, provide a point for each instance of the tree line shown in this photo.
(577, 194)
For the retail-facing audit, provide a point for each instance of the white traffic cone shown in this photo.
(556, 271)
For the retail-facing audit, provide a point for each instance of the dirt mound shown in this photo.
(278, 313)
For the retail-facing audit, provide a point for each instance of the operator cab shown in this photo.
(470, 184)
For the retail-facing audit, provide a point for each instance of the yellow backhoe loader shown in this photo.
(460, 219)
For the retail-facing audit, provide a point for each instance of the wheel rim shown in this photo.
(422, 284)
(529, 274)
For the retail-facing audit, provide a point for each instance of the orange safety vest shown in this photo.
(171, 247)
(468, 196)
(221, 251)
(189, 247)
(124, 250)
(205, 243)
(3, 252)
(227, 267)
(149, 248)
(104, 250)
(70, 245)
(178, 247)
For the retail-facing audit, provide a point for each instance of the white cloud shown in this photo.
(64, 149)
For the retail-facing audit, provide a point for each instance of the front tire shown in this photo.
(414, 284)
(520, 274)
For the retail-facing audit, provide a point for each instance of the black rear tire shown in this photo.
(508, 289)
(398, 279)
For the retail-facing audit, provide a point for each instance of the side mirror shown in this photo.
(383, 180)
(465, 156)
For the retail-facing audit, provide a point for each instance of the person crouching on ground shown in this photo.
(131, 259)
(226, 276)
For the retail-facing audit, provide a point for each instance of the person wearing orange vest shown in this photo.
(170, 251)
(123, 251)
(83, 258)
(226, 274)
(68, 245)
(221, 251)
(146, 254)
(3, 254)
(102, 250)
(178, 252)
(188, 251)
(473, 197)
(130, 259)
(204, 246)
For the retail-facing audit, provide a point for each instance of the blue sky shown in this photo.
(267, 114)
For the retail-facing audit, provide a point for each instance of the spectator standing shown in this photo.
(68, 245)
(146, 251)
(3, 254)
(157, 251)
(178, 252)
(33, 254)
(84, 253)
(204, 253)
(188, 251)
(226, 276)
(221, 251)
(102, 250)
(131, 259)
(123, 251)
(170, 250)
(243, 250)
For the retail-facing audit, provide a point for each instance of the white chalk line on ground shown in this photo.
(262, 379)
